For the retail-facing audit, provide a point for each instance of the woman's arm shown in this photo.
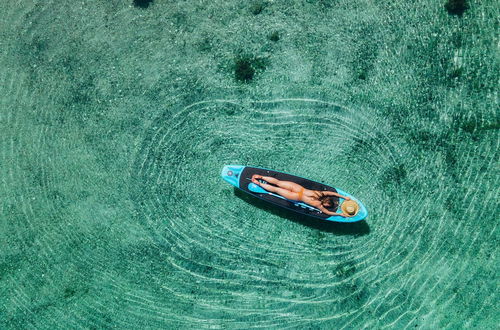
(322, 209)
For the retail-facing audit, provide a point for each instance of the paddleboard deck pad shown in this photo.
(240, 176)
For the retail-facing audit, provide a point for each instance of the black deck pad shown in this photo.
(245, 180)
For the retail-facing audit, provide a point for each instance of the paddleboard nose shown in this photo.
(231, 174)
(225, 171)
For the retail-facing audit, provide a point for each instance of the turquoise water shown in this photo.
(116, 120)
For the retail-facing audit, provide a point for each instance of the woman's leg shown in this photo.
(269, 179)
(280, 191)
(288, 185)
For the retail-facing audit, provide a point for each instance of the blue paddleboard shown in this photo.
(240, 177)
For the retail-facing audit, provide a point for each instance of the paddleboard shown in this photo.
(241, 177)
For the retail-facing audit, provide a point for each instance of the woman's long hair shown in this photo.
(329, 202)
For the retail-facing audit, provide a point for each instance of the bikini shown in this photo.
(301, 192)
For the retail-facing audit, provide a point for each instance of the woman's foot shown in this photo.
(255, 178)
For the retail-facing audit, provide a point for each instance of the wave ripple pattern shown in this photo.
(231, 259)
(115, 122)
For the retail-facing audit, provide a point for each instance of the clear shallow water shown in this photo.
(116, 122)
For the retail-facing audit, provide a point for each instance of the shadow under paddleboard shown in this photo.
(359, 228)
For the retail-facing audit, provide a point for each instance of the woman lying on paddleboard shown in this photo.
(293, 191)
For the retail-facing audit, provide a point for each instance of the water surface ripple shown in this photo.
(115, 122)
(233, 256)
